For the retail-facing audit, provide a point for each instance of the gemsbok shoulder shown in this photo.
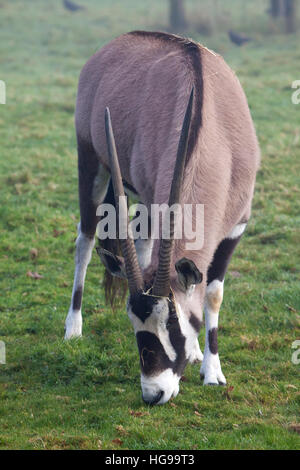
(167, 119)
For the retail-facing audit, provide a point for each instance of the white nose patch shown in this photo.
(166, 382)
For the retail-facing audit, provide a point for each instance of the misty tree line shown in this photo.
(285, 8)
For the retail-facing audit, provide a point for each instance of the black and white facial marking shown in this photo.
(166, 337)
(161, 343)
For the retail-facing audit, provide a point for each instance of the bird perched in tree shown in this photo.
(238, 39)
(71, 6)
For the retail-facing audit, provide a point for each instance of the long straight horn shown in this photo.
(133, 271)
(161, 286)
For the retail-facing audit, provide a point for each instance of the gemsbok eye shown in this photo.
(146, 354)
(173, 320)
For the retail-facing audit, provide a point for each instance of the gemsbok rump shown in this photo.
(167, 118)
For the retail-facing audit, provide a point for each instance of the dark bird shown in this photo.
(71, 6)
(238, 39)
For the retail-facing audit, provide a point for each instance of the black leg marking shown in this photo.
(77, 298)
(221, 259)
(195, 322)
(213, 340)
(88, 165)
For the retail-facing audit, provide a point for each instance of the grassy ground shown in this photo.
(85, 393)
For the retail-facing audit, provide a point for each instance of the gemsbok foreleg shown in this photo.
(211, 368)
(93, 182)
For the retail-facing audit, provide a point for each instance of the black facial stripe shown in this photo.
(173, 318)
(221, 259)
(156, 359)
(213, 340)
(176, 338)
(195, 322)
(77, 299)
(178, 342)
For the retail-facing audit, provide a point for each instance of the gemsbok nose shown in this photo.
(153, 400)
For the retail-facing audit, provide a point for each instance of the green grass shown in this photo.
(85, 394)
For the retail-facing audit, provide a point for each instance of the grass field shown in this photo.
(85, 394)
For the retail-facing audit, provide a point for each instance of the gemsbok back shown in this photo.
(168, 119)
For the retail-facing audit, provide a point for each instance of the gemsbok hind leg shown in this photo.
(93, 182)
(211, 368)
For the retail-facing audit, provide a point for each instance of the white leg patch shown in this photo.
(237, 231)
(196, 353)
(73, 325)
(84, 247)
(192, 349)
(211, 367)
(211, 370)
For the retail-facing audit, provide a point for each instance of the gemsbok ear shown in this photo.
(114, 264)
(188, 273)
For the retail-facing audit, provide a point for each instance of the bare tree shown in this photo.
(275, 8)
(290, 15)
(177, 15)
(286, 9)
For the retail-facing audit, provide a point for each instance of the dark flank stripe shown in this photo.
(195, 322)
(192, 52)
(213, 340)
(221, 259)
(77, 299)
(88, 165)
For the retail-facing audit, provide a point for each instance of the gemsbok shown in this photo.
(168, 119)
